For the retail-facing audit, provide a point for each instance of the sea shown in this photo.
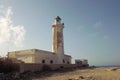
(107, 66)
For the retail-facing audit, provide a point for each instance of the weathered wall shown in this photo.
(26, 56)
(67, 59)
(59, 66)
(39, 67)
(30, 67)
(58, 42)
(81, 61)
(37, 56)
(41, 55)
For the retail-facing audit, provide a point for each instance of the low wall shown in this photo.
(39, 67)
(30, 67)
(59, 66)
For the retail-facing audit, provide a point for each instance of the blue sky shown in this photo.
(92, 27)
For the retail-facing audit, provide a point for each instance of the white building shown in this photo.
(57, 55)
(82, 62)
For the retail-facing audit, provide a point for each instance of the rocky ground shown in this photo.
(82, 74)
(74, 74)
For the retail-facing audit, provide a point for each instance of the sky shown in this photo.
(92, 27)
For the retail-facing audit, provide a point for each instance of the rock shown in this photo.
(81, 77)
(70, 79)
(114, 69)
(73, 79)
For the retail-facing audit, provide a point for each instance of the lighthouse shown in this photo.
(57, 40)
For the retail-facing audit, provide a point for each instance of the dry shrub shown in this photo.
(7, 66)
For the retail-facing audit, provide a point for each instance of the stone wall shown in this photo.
(39, 56)
(45, 57)
(30, 67)
(26, 56)
(67, 59)
(40, 67)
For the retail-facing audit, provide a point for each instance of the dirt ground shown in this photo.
(83, 74)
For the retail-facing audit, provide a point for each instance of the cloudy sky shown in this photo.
(92, 27)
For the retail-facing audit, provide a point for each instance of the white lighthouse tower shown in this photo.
(58, 42)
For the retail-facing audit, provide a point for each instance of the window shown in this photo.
(43, 61)
(61, 67)
(63, 61)
(51, 61)
(68, 62)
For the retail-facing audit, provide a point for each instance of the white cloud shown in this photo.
(10, 34)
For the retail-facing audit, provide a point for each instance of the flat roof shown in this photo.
(36, 50)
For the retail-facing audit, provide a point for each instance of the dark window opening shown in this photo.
(77, 62)
(63, 61)
(43, 61)
(68, 62)
(61, 67)
(51, 61)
